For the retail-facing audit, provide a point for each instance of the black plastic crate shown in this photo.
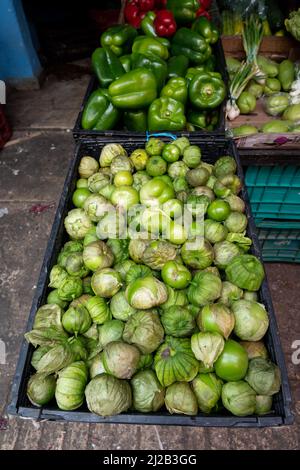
(20, 405)
(79, 133)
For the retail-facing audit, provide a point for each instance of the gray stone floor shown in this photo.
(32, 170)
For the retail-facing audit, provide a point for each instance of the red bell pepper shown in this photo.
(205, 4)
(135, 10)
(202, 12)
(164, 23)
(160, 4)
(146, 5)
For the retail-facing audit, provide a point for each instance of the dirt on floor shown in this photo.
(33, 167)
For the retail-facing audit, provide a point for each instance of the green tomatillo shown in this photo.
(218, 210)
(176, 275)
(171, 153)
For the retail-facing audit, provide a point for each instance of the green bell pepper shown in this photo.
(177, 66)
(147, 25)
(146, 45)
(215, 74)
(164, 41)
(190, 44)
(136, 121)
(197, 118)
(166, 114)
(190, 127)
(176, 88)
(99, 113)
(126, 62)
(214, 117)
(134, 90)
(106, 66)
(207, 66)
(153, 63)
(204, 27)
(184, 11)
(119, 38)
(192, 71)
(206, 90)
(210, 63)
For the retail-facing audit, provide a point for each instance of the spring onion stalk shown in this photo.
(252, 36)
(239, 82)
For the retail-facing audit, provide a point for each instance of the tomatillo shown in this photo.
(232, 364)
(125, 196)
(123, 178)
(218, 210)
(176, 233)
(176, 275)
(79, 196)
(82, 183)
(171, 153)
(156, 166)
(173, 208)
(155, 192)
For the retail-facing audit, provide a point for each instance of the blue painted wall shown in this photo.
(18, 59)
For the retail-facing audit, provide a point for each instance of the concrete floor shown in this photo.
(32, 170)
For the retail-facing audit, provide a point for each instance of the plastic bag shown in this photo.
(295, 88)
(245, 7)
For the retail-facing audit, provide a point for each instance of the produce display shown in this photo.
(276, 85)
(153, 301)
(278, 90)
(158, 72)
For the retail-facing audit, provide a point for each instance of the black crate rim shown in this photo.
(201, 420)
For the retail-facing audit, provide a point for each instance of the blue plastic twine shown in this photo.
(160, 134)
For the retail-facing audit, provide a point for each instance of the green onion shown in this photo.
(237, 85)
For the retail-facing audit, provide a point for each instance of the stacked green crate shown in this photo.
(274, 194)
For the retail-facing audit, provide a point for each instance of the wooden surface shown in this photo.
(272, 46)
(276, 48)
(268, 156)
(263, 141)
(271, 143)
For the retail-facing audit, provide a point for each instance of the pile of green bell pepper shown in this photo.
(153, 63)
(119, 38)
(106, 66)
(134, 90)
(99, 113)
(150, 83)
(191, 44)
(206, 29)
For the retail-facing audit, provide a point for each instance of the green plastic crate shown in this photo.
(279, 240)
(274, 192)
